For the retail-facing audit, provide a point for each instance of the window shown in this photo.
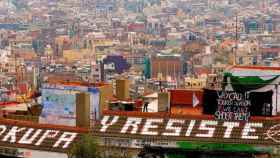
(254, 62)
(240, 60)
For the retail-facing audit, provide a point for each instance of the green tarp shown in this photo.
(223, 147)
(248, 83)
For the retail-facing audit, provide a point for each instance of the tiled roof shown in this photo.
(37, 136)
(187, 129)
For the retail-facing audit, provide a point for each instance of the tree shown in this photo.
(88, 147)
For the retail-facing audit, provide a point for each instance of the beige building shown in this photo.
(195, 83)
(247, 53)
(78, 55)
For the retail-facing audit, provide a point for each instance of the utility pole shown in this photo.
(236, 38)
(13, 52)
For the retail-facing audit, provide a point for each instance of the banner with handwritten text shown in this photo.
(233, 106)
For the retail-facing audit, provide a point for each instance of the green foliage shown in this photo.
(88, 147)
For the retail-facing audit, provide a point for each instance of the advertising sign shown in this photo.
(94, 102)
(59, 103)
(59, 107)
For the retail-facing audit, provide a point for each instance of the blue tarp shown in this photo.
(120, 63)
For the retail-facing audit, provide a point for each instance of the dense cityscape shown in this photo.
(139, 78)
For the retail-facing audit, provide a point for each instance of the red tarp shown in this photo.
(185, 97)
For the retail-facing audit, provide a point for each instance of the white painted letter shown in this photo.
(176, 130)
(191, 125)
(66, 137)
(203, 127)
(12, 134)
(25, 140)
(3, 129)
(248, 129)
(47, 134)
(229, 126)
(148, 125)
(104, 123)
(131, 122)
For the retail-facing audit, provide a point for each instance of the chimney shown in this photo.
(122, 89)
(83, 110)
(163, 101)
